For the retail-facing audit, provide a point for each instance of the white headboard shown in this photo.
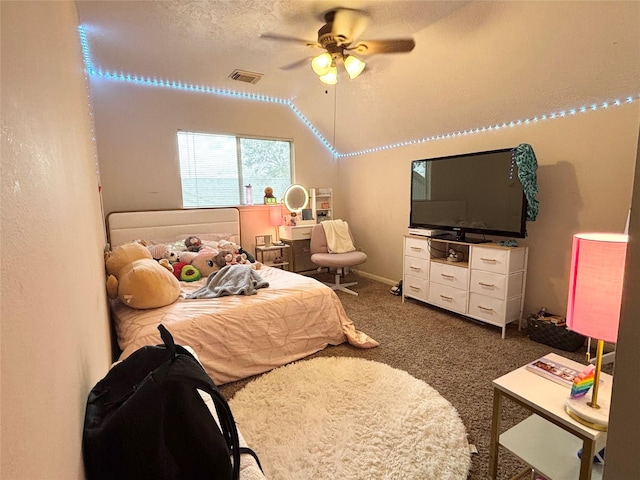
(123, 227)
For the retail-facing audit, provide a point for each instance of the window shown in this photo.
(421, 178)
(216, 168)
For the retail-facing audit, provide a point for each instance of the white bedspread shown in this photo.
(238, 336)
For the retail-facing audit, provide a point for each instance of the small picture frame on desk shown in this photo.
(263, 240)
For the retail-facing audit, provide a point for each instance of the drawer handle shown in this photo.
(486, 309)
(416, 249)
(414, 288)
(448, 299)
(414, 269)
(488, 260)
(487, 285)
(448, 277)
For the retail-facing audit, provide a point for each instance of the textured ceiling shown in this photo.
(475, 64)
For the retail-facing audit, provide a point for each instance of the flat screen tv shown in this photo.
(477, 193)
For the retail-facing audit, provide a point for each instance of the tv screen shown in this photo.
(472, 193)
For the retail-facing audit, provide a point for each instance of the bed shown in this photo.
(234, 336)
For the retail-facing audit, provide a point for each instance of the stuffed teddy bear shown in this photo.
(226, 245)
(193, 244)
(224, 258)
(137, 279)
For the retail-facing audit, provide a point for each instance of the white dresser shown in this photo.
(486, 282)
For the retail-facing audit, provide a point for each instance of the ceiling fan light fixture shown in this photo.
(331, 77)
(322, 63)
(354, 66)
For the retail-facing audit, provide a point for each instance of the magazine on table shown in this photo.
(553, 370)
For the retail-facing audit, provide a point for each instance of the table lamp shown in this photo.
(275, 219)
(593, 310)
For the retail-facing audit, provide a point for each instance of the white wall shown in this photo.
(585, 177)
(136, 127)
(54, 323)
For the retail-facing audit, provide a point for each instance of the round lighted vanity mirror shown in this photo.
(296, 198)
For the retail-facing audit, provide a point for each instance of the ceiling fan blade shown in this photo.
(286, 38)
(297, 64)
(371, 47)
(349, 24)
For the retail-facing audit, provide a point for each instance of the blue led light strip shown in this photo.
(527, 121)
(154, 82)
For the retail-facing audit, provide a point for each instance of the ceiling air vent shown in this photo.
(246, 77)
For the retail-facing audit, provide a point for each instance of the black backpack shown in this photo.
(146, 419)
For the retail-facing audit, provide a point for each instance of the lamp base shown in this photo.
(580, 410)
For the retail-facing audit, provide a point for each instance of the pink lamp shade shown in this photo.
(275, 216)
(595, 284)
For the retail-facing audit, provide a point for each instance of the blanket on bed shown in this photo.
(231, 280)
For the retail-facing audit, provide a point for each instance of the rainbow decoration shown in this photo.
(583, 382)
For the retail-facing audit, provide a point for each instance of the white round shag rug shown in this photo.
(350, 419)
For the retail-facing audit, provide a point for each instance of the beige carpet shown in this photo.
(350, 419)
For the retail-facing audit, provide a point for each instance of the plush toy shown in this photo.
(173, 256)
(242, 258)
(185, 272)
(224, 258)
(157, 251)
(205, 262)
(186, 257)
(163, 262)
(249, 256)
(137, 279)
(226, 245)
(269, 198)
(177, 269)
(193, 244)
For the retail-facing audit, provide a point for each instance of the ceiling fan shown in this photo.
(339, 38)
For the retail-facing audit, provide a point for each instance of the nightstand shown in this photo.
(548, 441)
(279, 251)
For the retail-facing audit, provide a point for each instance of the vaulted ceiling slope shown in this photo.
(475, 64)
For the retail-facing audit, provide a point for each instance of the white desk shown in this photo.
(548, 441)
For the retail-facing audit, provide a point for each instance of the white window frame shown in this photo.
(213, 169)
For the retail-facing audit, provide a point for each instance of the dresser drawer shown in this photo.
(498, 260)
(488, 308)
(295, 233)
(416, 247)
(414, 287)
(449, 274)
(490, 260)
(493, 310)
(448, 297)
(488, 283)
(416, 267)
